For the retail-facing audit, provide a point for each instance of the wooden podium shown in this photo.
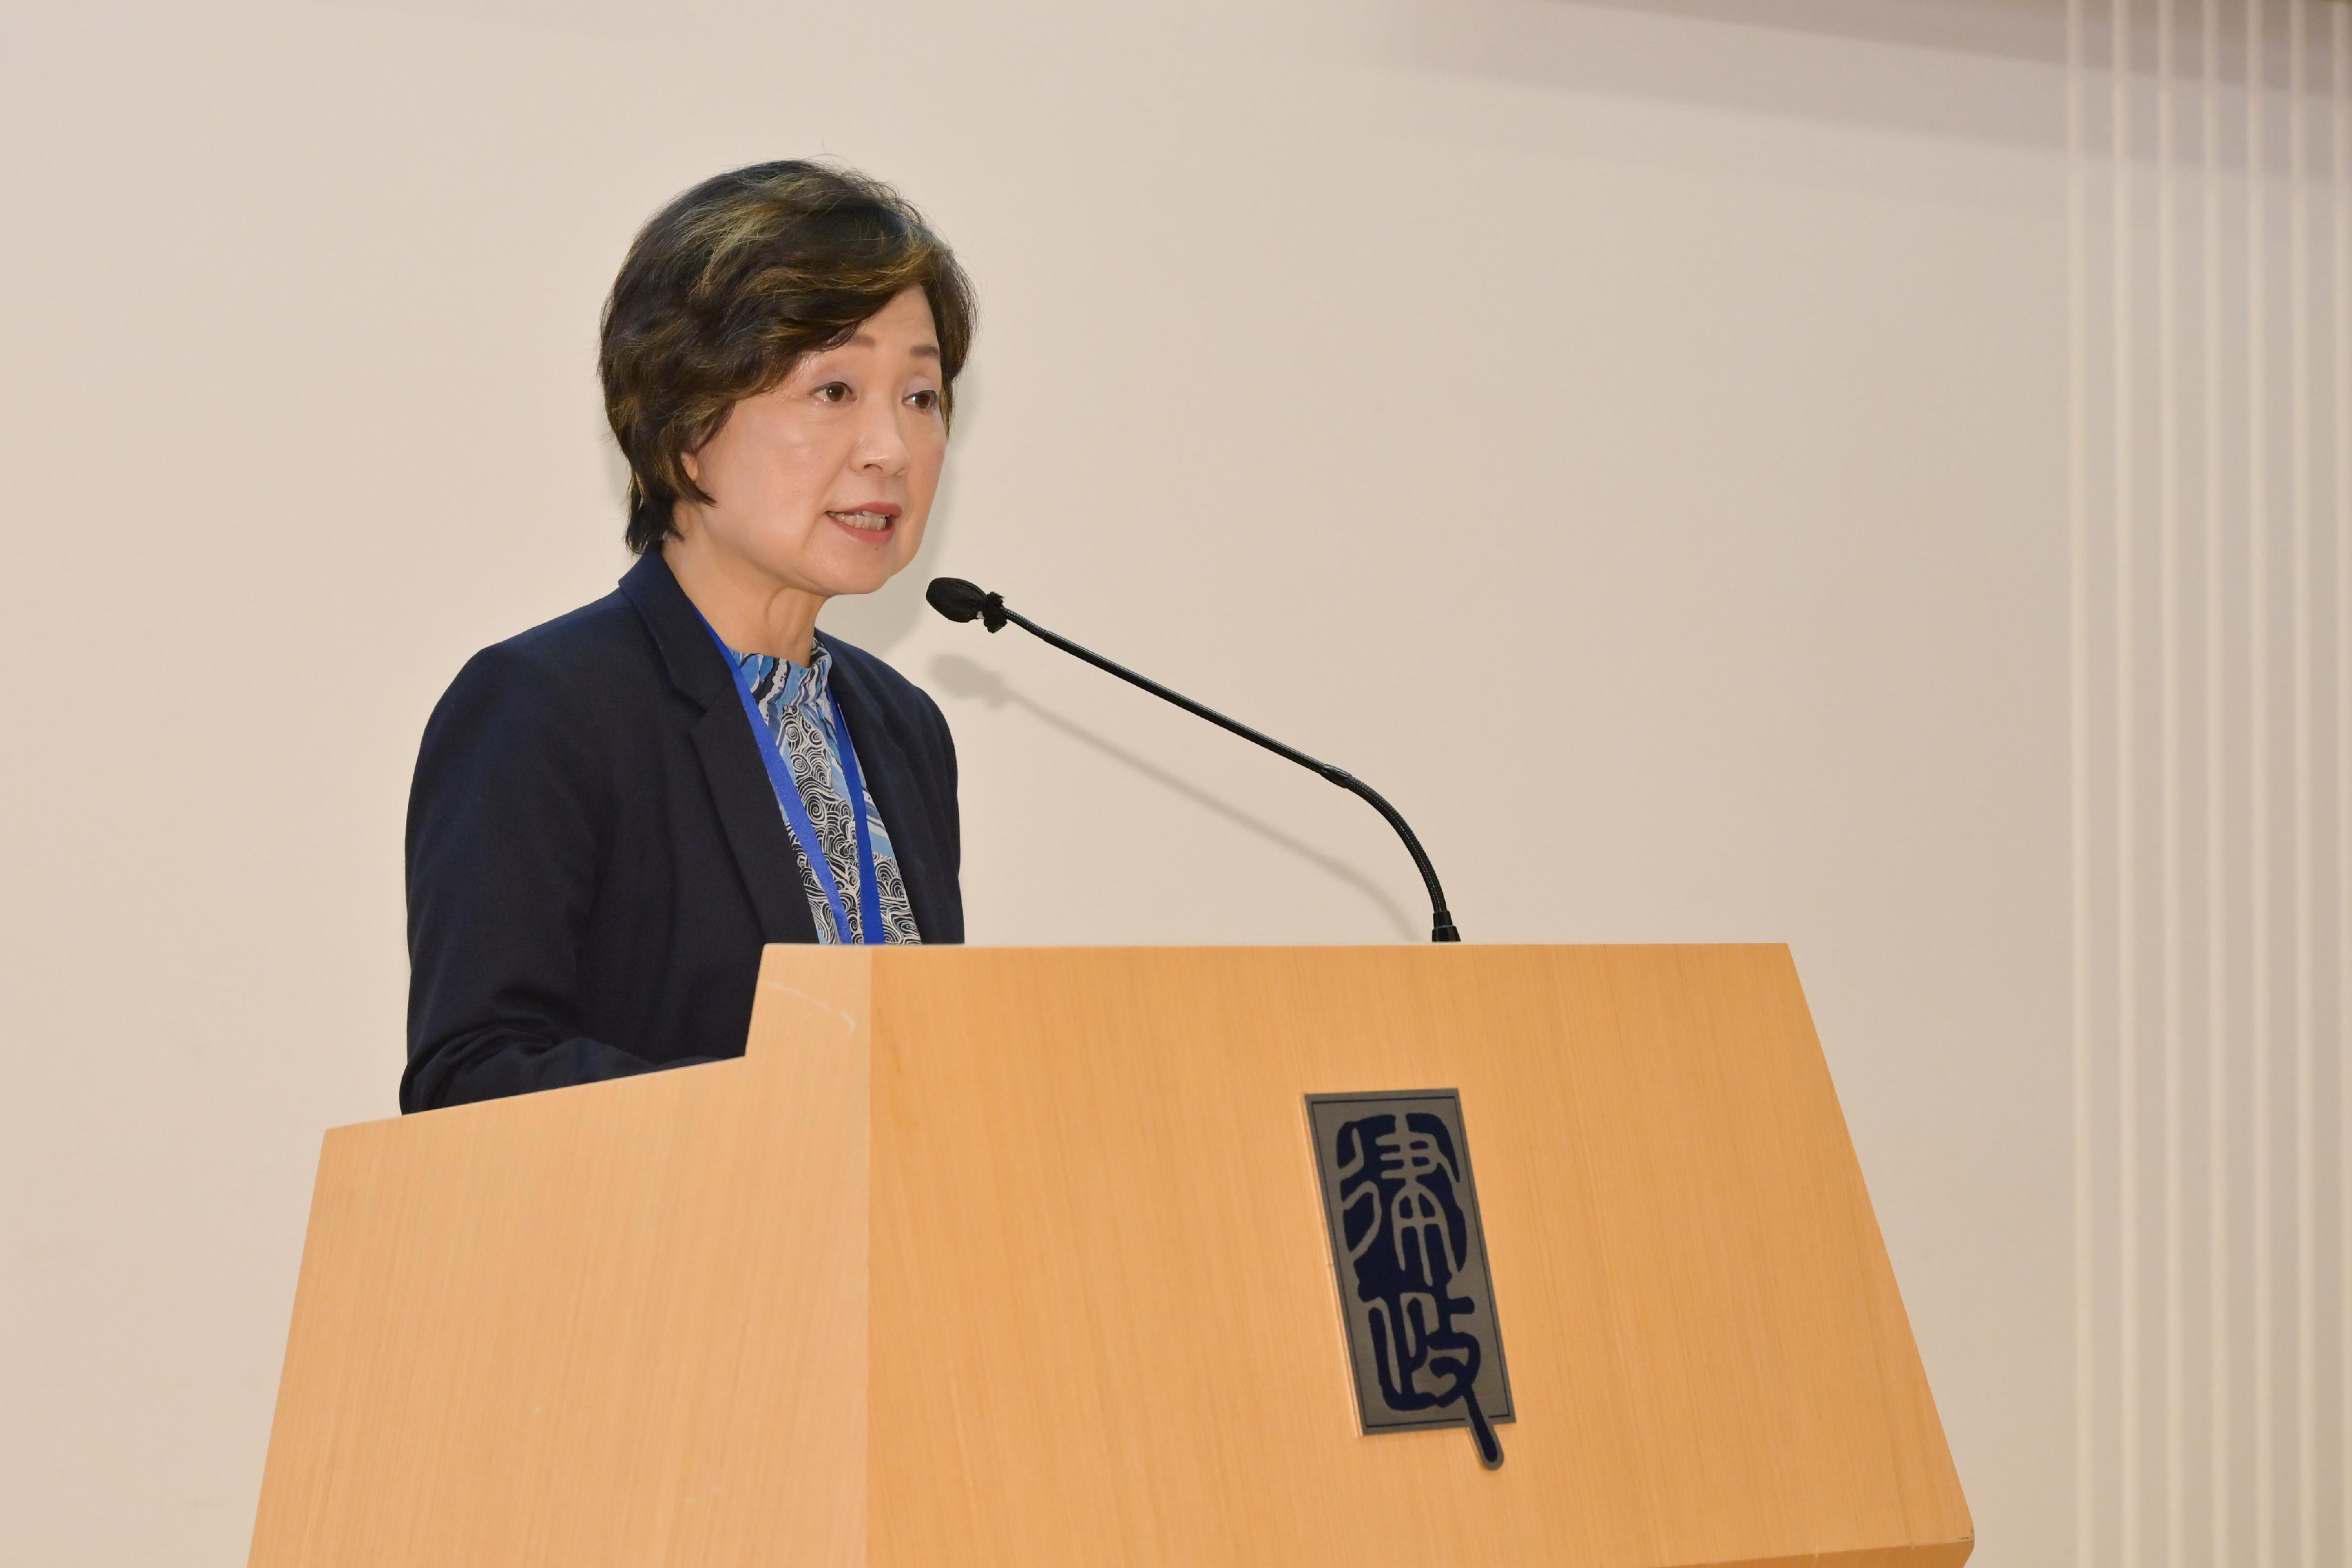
(1018, 1257)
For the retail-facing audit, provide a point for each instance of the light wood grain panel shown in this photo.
(1121, 1342)
(585, 1327)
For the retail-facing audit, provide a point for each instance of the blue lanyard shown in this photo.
(796, 812)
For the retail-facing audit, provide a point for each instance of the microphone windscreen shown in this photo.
(955, 599)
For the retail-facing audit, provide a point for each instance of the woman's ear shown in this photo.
(693, 469)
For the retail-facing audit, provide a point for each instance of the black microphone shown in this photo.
(959, 600)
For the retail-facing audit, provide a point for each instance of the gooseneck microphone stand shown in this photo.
(959, 600)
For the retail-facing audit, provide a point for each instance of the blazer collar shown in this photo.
(679, 634)
(765, 853)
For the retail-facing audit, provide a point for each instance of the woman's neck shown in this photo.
(747, 607)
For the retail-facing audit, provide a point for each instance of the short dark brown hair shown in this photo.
(731, 285)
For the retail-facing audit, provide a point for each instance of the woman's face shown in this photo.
(821, 484)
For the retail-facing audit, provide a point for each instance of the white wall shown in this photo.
(1634, 436)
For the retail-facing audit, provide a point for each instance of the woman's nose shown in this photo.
(882, 445)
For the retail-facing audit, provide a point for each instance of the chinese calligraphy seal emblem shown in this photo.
(1412, 1263)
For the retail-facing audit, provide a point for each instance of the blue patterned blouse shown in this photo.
(798, 708)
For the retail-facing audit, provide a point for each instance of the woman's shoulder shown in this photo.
(583, 664)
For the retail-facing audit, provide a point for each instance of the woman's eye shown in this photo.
(925, 399)
(833, 391)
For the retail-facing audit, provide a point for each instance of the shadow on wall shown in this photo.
(961, 677)
(1757, 56)
(2021, 29)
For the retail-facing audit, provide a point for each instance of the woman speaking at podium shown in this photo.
(614, 811)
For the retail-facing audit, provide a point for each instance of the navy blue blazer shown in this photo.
(595, 857)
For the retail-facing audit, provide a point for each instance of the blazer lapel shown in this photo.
(746, 802)
(897, 794)
(765, 851)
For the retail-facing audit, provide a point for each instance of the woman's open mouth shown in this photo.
(871, 523)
